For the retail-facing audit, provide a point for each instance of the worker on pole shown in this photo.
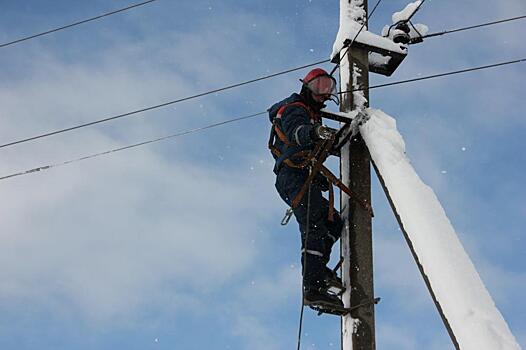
(297, 134)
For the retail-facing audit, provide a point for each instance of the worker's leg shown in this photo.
(320, 235)
(314, 237)
(334, 231)
(317, 237)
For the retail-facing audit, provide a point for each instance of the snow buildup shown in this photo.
(378, 60)
(365, 37)
(359, 99)
(407, 12)
(351, 17)
(418, 28)
(466, 304)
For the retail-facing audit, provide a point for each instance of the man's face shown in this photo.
(322, 88)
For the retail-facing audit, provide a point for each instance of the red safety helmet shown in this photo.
(321, 84)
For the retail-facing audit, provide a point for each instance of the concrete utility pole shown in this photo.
(358, 331)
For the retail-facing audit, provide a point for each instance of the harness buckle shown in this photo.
(286, 218)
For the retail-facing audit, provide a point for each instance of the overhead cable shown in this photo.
(201, 95)
(191, 131)
(127, 114)
(439, 75)
(255, 115)
(472, 27)
(76, 23)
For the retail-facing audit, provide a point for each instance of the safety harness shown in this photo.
(311, 159)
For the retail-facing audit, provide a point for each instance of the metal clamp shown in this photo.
(365, 303)
(286, 218)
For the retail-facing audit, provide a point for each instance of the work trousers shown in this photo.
(318, 238)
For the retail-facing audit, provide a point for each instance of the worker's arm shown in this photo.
(296, 125)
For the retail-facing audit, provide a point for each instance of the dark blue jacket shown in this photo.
(297, 124)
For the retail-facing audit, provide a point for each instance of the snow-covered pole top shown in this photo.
(352, 18)
(353, 13)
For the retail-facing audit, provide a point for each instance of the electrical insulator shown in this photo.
(401, 33)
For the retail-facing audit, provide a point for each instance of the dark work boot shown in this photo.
(332, 280)
(313, 296)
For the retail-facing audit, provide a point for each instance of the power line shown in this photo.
(76, 23)
(160, 105)
(440, 75)
(472, 27)
(191, 131)
(197, 95)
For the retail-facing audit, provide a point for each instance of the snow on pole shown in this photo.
(470, 314)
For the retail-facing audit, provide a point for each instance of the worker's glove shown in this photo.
(322, 132)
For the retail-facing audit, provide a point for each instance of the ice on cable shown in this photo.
(418, 29)
(465, 301)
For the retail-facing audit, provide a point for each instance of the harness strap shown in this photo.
(299, 104)
(338, 183)
(327, 145)
(281, 135)
(331, 203)
(277, 130)
(291, 148)
(318, 167)
(315, 158)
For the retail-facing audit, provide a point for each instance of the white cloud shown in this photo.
(107, 238)
(268, 293)
(255, 335)
(111, 236)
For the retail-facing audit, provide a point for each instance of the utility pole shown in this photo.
(358, 330)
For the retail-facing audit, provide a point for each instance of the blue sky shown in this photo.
(177, 245)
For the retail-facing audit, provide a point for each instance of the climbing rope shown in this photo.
(304, 266)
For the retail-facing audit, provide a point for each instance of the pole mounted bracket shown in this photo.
(384, 55)
(387, 51)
